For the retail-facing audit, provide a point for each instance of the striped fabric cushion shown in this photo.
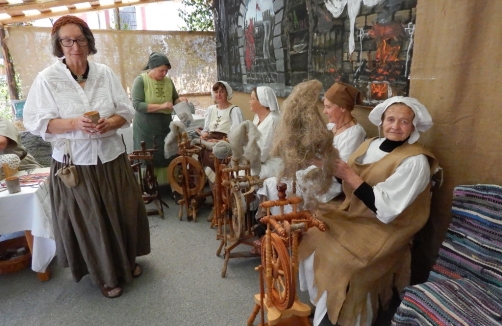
(450, 302)
(465, 285)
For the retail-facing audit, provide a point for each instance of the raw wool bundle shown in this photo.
(244, 143)
(171, 146)
(185, 118)
(222, 150)
(302, 137)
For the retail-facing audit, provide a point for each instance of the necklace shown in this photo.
(346, 123)
(79, 78)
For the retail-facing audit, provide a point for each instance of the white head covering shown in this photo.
(422, 120)
(267, 98)
(230, 92)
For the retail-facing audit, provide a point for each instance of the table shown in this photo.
(29, 211)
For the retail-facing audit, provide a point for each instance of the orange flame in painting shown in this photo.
(379, 91)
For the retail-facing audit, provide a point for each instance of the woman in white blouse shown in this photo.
(263, 103)
(100, 225)
(353, 267)
(219, 118)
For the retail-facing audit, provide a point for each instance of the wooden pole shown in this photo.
(9, 67)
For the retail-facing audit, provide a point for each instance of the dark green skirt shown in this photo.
(100, 226)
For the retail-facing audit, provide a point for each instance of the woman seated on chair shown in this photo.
(339, 101)
(353, 266)
(263, 103)
(220, 118)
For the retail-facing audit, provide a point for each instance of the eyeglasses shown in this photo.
(68, 42)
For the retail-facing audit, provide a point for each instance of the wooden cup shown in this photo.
(13, 185)
(93, 115)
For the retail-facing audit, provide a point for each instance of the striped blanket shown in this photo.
(465, 285)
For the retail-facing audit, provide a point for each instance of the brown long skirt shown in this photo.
(100, 226)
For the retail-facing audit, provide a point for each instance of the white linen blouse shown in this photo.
(235, 114)
(55, 94)
(267, 129)
(398, 191)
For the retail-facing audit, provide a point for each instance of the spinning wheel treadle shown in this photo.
(196, 176)
(283, 291)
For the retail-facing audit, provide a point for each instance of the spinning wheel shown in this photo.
(279, 266)
(237, 200)
(186, 176)
(282, 289)
(234, 195)
(195, 180)
(147, 180)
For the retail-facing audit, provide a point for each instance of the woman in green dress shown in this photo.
(153, 97)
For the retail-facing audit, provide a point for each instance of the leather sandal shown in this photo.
(109, 292)
(135, 273)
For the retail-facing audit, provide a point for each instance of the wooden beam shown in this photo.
(39, 5)
(36, 5)
(9, 68)
(19, 17)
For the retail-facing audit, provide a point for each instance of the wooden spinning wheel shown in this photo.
(282, 285)
(186, 177)
(234, 193)
(279, 267)
(195, 178)
(147, 179)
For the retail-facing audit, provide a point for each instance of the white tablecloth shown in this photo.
(30, 210)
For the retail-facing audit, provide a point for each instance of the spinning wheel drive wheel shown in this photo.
(150, 184)
(194, 175)
(238, 221)
(225, 176)
(283, 292)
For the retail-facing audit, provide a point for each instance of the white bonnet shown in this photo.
(230, 92)
(267, 98)
(422, 120)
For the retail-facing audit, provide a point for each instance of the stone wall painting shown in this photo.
(280, 43)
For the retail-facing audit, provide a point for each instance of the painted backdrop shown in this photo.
(368, 43)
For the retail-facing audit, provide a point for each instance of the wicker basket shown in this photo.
(17, 263)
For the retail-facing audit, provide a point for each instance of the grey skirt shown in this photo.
(100, 226)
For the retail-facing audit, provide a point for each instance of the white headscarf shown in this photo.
(230, 92)
(422, 120)
(267, 98)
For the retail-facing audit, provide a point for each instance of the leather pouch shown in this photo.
(68, 173)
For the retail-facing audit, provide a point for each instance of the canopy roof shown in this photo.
(17, 11)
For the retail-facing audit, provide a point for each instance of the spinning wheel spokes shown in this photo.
(190, 176)
(283, 292)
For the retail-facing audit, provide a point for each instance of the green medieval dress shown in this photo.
(146, 126)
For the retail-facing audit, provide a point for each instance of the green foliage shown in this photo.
(5, 106)
(197, 15)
